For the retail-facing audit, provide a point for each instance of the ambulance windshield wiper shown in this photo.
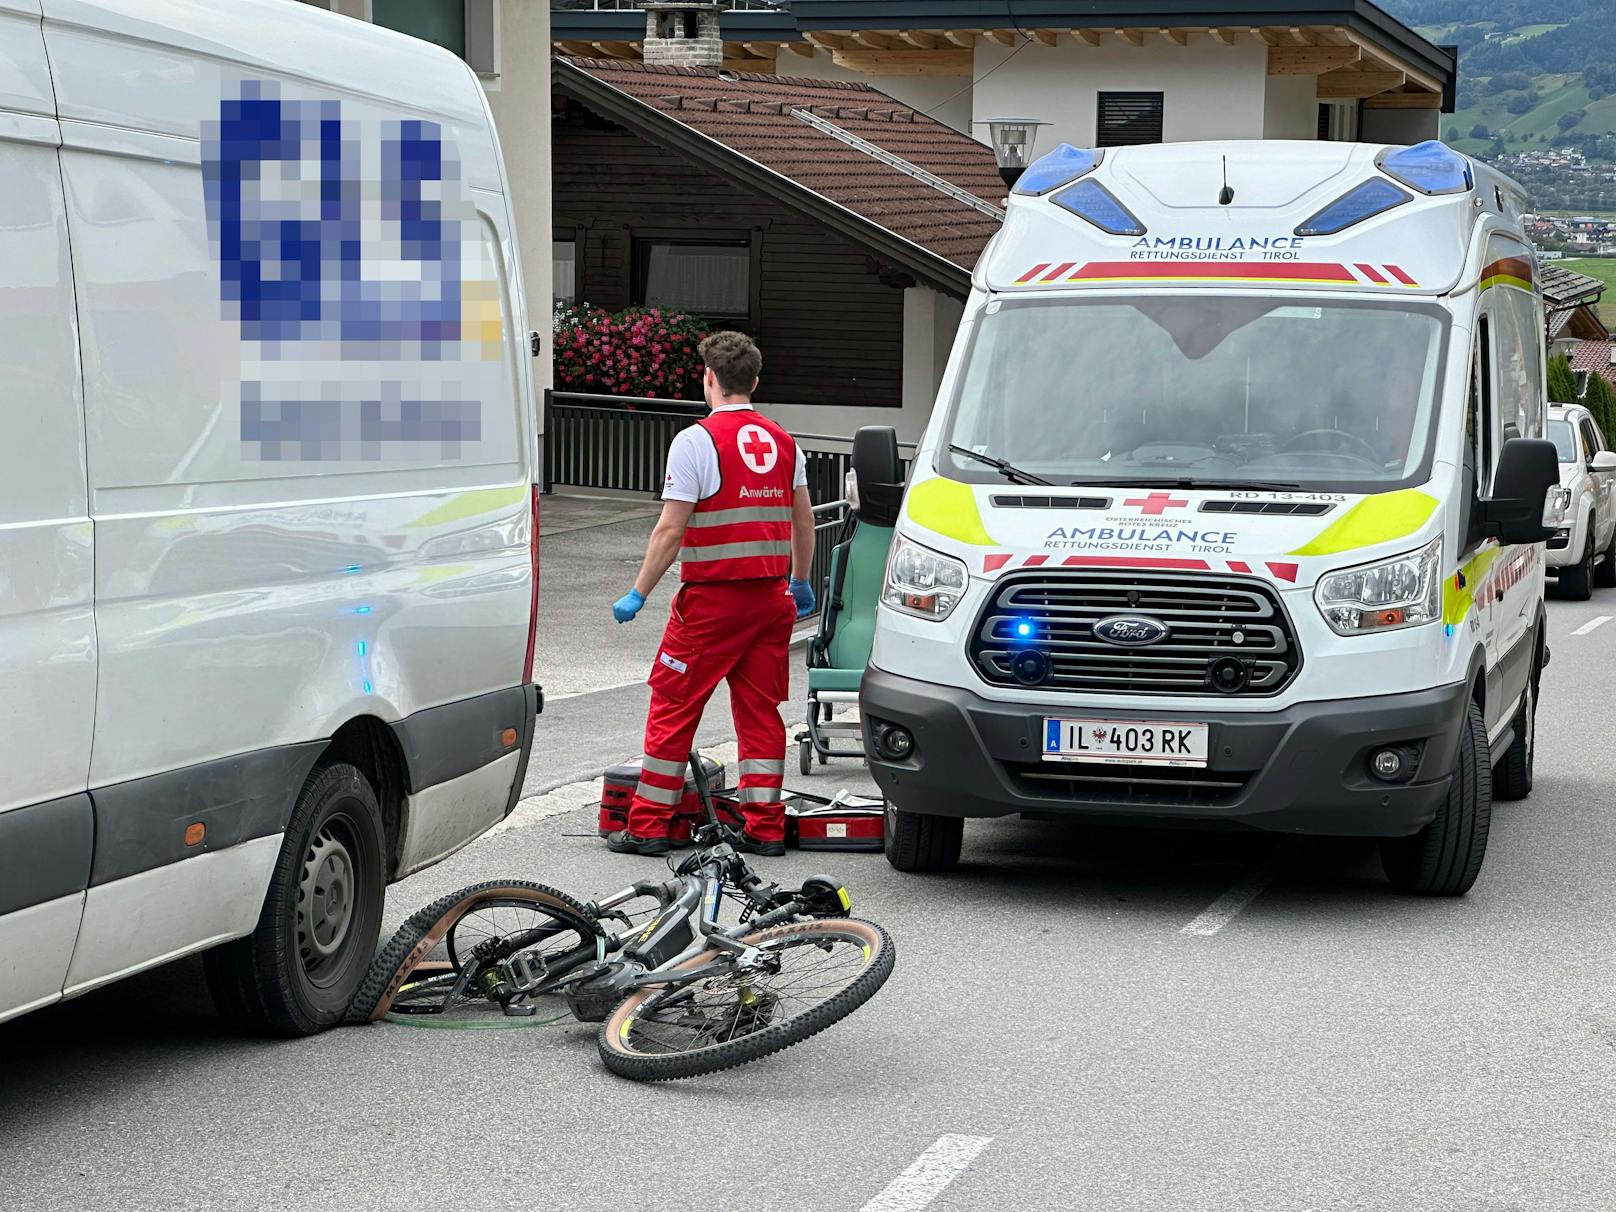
(1209, 485)
(1008, 470)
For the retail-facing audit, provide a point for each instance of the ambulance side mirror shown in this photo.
(875, 476)
(1527, 469)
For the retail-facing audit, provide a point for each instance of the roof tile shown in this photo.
(751, 115)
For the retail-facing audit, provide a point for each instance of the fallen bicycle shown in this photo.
(676, 993)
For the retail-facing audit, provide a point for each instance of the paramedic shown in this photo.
(737, 514)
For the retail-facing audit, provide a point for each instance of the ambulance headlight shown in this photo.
(922, 582)
(1404, 591)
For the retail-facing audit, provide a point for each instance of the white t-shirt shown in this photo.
(693, 463)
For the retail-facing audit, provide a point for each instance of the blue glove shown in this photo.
(627, 606)
(803, 594)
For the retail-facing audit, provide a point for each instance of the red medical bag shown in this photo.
(617, 793)
(845, 823)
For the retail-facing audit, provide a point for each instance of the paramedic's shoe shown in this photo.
(624, 842)
(747, 844)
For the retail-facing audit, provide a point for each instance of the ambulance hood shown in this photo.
(1287, 538)
(1152, 217)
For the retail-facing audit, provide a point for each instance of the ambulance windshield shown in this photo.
(1304, 393)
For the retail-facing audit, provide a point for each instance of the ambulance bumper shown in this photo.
(1303, 769)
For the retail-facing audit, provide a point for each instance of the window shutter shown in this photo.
(1129, 118)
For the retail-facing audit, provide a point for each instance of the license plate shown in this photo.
(1140, 742)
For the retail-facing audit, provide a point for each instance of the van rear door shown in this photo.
(47, 634)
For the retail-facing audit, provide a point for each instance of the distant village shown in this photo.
(1557, 236)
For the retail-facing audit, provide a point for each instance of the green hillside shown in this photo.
(1603, 268)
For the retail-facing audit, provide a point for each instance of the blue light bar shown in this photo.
(1092, 201)
(1430, 167)
(1060, 167)
(1361, 202)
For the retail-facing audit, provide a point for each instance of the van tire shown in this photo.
(918, 842)
(1576, 581)
(1605, 570)
(1444, 858)
(297, 972)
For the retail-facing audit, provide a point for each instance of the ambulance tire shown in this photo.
(1444, 858)
(296, 973)
(1577, 581)
(918, 842)
(1512, 777)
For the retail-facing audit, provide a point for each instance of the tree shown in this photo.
(1480, 131)
(1574, 118)
(1562, 383)
(1520, 103)
(1600, 399)
(1452, 134)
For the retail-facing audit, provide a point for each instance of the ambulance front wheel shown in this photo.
(918, 842)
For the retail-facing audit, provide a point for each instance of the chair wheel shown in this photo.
(824, 759)
(805, 757)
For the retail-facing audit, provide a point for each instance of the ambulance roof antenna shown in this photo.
(1225, 195)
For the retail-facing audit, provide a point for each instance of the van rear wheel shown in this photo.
(917, 842)
(1444, 858)
(296, 973)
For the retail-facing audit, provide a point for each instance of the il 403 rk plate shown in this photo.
(1140, 742)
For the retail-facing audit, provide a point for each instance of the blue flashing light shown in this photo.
(1092, 201)
(362, 609)
(1361, 202)
(1431, 167)
(361, 647)
(352, 568)
(1060, 167)
(1024, 629)
(367, 687)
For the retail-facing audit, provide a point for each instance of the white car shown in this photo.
(1582, 553)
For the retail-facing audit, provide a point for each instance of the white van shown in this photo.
(1232, 510)
(268, 560)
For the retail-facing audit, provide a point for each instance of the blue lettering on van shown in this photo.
(342, 265)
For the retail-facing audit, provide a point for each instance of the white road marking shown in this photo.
(928, 1174)
(1227, 907)
(1591, 624)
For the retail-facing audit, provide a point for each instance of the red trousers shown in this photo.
(735, 631)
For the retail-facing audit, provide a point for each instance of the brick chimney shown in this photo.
(683, 35)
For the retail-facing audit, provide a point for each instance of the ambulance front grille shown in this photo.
(1208, 619)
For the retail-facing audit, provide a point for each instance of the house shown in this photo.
(1099, 72)
(832, 222)
(1569, 308)
(506, 42)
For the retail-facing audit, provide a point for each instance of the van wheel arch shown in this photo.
(371, 745)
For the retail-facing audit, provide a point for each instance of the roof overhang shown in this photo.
(1357, 52)
(652, 124)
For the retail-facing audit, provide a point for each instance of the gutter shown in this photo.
(928, 267)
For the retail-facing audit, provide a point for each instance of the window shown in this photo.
(564, 267)
(1478, 427)
(1338, 123)
(709, 277)
(469, 28)
(1129, 118)
(440, 21)
(1590, 440)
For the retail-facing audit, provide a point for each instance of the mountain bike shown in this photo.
(676, 993)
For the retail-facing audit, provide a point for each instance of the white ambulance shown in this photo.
(1232, 510)
(267, 520)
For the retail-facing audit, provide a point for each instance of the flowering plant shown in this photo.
(640, 351)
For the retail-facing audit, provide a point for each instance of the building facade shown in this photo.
(1123, 71)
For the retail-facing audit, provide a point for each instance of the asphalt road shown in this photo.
(1322, 1043)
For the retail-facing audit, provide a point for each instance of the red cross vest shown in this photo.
(743, 531)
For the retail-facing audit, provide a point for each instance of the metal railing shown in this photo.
(621, 444)
(830, 526)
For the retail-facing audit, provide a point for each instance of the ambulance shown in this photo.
(1231, 511)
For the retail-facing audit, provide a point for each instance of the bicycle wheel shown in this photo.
(820, 973)
(418, 973)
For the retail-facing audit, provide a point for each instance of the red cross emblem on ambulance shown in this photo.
(1155, 504)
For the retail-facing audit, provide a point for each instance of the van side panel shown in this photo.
(309, 426)
(47, 633)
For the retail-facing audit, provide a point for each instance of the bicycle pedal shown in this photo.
(527, 971)
(521, 1011)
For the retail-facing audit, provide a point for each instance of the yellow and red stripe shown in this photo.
(1518, 272)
